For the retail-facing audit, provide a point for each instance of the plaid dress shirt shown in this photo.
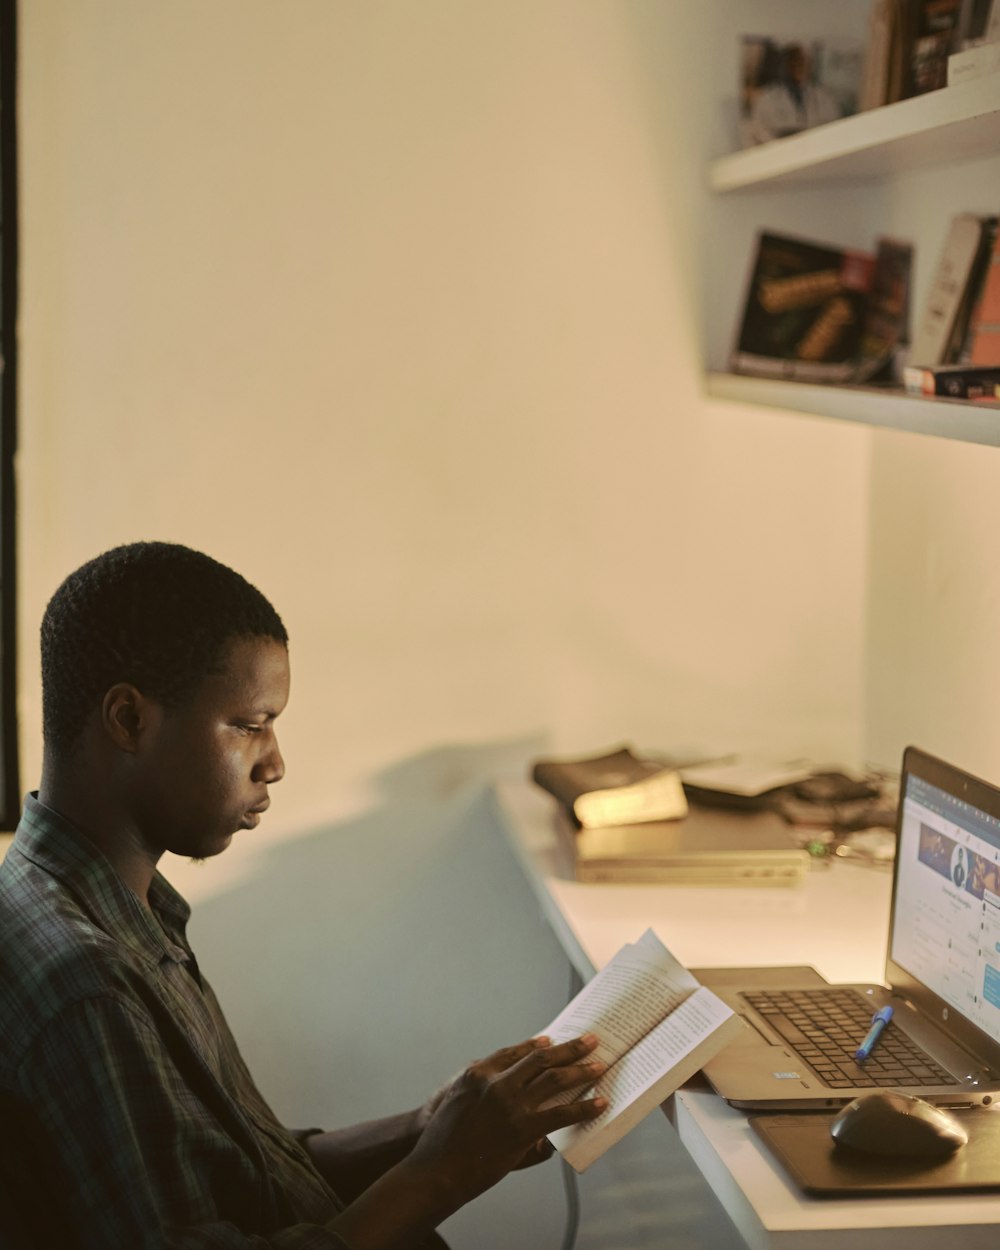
(128, 1119)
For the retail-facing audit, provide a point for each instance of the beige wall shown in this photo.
(395, 308)
(933, 611)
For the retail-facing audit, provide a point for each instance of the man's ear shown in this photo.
(125, 715)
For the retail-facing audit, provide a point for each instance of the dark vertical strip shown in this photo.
(11, 787)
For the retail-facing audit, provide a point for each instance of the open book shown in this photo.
(657, 1027)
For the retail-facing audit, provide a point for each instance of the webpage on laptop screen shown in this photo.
(946, 931)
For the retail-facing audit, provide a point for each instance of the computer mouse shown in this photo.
(887, 1123)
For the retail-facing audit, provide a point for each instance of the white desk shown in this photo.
(836, 920)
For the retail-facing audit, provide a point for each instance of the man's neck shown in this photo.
(70, 790)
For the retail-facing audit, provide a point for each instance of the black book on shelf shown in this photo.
(804, 311)
(954, 381)
(937, 27)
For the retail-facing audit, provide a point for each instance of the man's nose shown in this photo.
(270, 767)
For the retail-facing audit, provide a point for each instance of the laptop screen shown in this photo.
(945, 933)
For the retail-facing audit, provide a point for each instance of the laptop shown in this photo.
(942, 973)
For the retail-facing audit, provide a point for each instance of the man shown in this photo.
(129, 1119)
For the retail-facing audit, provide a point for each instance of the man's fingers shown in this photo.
(505, 1058)
(545, 1058)
(554, 1080)
(570, 1113)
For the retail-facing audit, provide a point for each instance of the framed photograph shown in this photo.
(791, 85)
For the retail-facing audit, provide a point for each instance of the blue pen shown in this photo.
(879, 1020)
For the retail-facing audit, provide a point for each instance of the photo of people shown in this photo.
(967, 869)
(791, 86)
(935, 850)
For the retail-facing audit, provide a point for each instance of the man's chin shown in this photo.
(209, 852)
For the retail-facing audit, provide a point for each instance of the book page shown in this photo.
(659, 1064)
(626, 999)
(664, 1047)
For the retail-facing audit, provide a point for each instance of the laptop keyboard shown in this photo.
(825, 1028)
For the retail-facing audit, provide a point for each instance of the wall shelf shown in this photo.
(944, 418)
(956, 123)
(960, 123)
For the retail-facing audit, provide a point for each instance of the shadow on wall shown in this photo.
(392, 944)
(364, 963)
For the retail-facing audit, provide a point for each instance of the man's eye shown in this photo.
(250, 729)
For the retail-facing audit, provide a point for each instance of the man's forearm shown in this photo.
(351, 1159)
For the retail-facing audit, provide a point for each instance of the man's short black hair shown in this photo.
(158, 615)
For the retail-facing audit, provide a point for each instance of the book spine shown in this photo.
(948, 289)
(984, 324)
(971, 383)
(875, 74)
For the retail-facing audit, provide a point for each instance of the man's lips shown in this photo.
(251, 817)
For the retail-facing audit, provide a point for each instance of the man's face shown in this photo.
(203, 769)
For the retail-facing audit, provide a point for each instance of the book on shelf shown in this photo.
(953, 381)
(940, 328)
(936, 32)
(979, 23)
(817, 312)
(709, 847)
(991, 21)
(915, 46)
(617, 788)
(657, 1026)
(887, 73)
(960, 348)
(982, 345)
(960, 343)
(885, 327)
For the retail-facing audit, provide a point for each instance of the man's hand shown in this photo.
(536, 1153)
(492, 1117)
(487, 1121)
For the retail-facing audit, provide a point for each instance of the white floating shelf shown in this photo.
(943, 418)
(952, 124)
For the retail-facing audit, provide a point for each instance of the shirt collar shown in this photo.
(57, 847)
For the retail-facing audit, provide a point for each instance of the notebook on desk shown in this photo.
(942, 973)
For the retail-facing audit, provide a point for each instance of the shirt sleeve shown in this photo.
(128, 1145)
